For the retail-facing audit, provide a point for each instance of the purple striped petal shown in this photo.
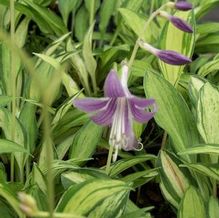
(104, 117)
(141, 102)
(90, 104)
(113, 87)
(131, 141)
(139, 114)
(180, 24)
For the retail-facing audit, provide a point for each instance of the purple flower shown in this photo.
(183, 5)
(167, 56)
(180, 24)
(118, 109)
(177, 22)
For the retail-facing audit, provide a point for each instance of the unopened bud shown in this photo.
(177, 22)
(27, 204)
(167, 56)
(180, 5)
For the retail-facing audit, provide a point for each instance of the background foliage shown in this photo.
(53, 151)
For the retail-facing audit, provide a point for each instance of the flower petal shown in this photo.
(139, 114)
(90, 104)
(131, 141)
(141, 102)
(113, 87)
(104, 116)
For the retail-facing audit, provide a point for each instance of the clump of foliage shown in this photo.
(54, 157)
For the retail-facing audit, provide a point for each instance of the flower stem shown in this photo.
(109, 158)
(49, 152)
(57, 215)
(164, 139)
(136, 47)
(13, 83)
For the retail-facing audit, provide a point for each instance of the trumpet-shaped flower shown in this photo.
(118, 109)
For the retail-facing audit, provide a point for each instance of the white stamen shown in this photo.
(118, 139)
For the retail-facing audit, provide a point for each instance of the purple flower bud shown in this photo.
(180, 24)
(177, 22)
(172, 57)
(167, 56)
(183, 5)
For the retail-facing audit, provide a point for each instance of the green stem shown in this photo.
(91, 20)
(114, 36)
(57, 215)
(164, 139)
(13, 82)
(109, 158)
(136, 47)
(49, 151)
(214, 182)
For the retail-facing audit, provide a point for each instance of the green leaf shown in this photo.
(11, 199)
(63, 108)
(5, 68)
(92, 6)
(208, 44)
(207, 114)
(29, 123)
(173, 114)
(50, 18)
(183, 43)
(69, 124)
(94, 196)
(81, 23)
(205, 7)
(121, 165)
(169, 196)
(89, 59)
(139, 178)
(172, 177)
(202, 149)
(209, 67)
(7, 146)
(85, 141)
(66, 7)
(106, 11)
(77, 176)
(194, 88)
(192, 205)
(21, 32)
(5, 100)
(213, 207)
(19, 138)
(136, 23)
(132, 210)
(206, 28)
(210, 170)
